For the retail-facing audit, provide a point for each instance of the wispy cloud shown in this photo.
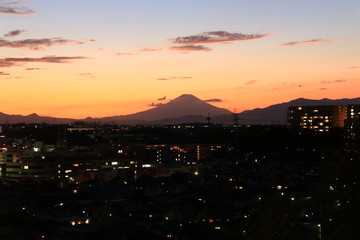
(4, 63)
(214, 100)
(124, 54)
(181, 77)
(8, 62)
(154, 104)
(174, 78)
(216, 37)
(322, 89)
(9, 8)
(16, 77)
(311, 41)
(150, 50)
(190, 48)
(87, 75)
(32, 69)
(37, 44)
(251, 82)
(162, 99)
(13, 33)
(4, 74)
(334, 81)
(354, 67)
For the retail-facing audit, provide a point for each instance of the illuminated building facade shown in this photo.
(317, 118)
(323, 118)
(352, 122)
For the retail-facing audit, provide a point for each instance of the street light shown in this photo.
(319, 226)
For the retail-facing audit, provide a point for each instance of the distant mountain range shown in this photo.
(188, 109)
(276, 114)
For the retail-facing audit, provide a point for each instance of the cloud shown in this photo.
(16, 77)
(190, 48)
(32, 69)
(214, 100)
(4, 74)
(340, 80)
(124, 54)
(174, 78)
(36, 44)
(88, 75)
(181, 77)
(216, 37)
(335, 81)
(354, 67)
(8, 8)
(311, 41)
(322, 89)
(14, 33)
(150, 49)
(16, 10)
(251, 82)
(162, 99)
(8, 62)
(154, 104)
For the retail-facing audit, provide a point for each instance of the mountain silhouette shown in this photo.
(184, 105)
(32, 118)
(276, 114)
(189, 109)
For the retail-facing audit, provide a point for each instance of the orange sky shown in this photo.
(117, 58)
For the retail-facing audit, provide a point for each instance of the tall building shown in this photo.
(352, 122)
(323, 118)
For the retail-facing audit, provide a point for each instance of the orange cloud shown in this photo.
(8, 62)
(4, 63)
(124, 54)
(190, 48)
(36, 44)
(173, 78)
(251, 82)
(150, 49)
(335, 81)
(354, 67)
(88, 75)
(311, 41)
(162, 99)
(32, 69)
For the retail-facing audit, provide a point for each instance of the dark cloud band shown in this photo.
(216, 37)
(36, 44)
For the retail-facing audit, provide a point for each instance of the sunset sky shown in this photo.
(80, 58)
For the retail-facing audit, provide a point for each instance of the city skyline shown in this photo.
(97, 59)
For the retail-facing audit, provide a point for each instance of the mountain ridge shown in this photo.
(187, 108)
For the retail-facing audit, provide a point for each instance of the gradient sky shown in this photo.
(79, 58)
